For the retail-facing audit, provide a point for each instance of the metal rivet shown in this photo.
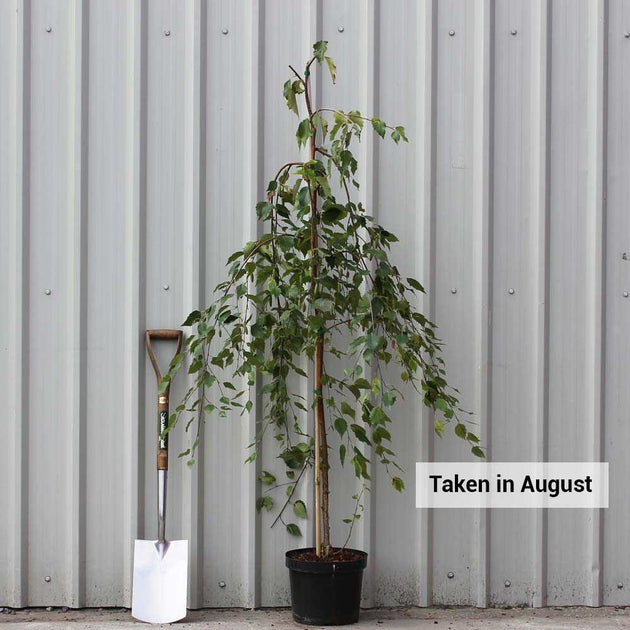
(625, 294)
(453, 290)
(511, 291)
(167, 33)
(450, 575)
(47, 578)
(49, 29)
(225, 31)
(507, 583)
(341, 29)
(513, 31)
(165, 287)
(627, 34)
(222, 584)
(619, 584)
(451, 33)
(47, 291)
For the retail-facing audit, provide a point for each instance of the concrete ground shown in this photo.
(577, 618)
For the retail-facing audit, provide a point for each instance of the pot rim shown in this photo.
(315, 566)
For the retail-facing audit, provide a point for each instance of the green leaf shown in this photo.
(342, 453)
(347, 409)
(324, 125)
(293, 529)
(438, 426)
(300, 509)
(164, 383)
(398, 483)
(376, 386)
(289, 95)
(461, 431)
(285, 242)
(319, 50)
(321, 304)
(389, 398)
(401, 133)
(264, 502)
(208, 379)
(192, 318)
(415, 284)
(379, 126)
(355, 117)
(442, 405)
(477, 452)
(374, 341)
(263, 210)
(378, 416)
(360, 433)
(333, 213)
(267, 478)
(332, 68)
(380, 433)
(303, 132)
(341, 426)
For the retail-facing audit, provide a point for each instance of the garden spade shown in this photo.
(160, 567)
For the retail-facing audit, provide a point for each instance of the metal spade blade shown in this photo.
(160, 582)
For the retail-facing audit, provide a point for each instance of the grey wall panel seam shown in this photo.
(541, 109)
(597, 153)
(482, 207)
(194, 280)
(369, 185)
(78, 307)
(427, 151)
(21, 337)
(254, 103)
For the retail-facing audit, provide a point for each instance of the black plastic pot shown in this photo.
(325, 593)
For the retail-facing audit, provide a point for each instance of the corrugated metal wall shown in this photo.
(135, 138)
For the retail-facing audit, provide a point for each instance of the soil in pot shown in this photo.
(326, 592)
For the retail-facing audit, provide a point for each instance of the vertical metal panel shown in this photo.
(194, 230)
(424, 264)
(107, 420)
(14, 199)
(539, 155)
(616, 562)
(571, 256)
(51, 509)
(455, 532)
(399, 97)
(134, 278)
(135, 139)
(515, 256)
